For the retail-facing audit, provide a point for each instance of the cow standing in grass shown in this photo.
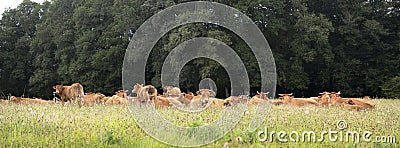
(73, 93)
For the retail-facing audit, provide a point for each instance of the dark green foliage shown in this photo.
(318, 45)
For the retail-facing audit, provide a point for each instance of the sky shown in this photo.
(4, 4)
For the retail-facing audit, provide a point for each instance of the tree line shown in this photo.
(318, 45)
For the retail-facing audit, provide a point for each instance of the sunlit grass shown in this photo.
(105, 126)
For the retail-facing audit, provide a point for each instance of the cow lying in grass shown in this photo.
(4, 101)
(324, 99)
(200, 101)
(217, 103)
(336, 100)
(288, 99)
(92, 98)
(116, 100)
(20, 100)
(235, 100)
(259, 98)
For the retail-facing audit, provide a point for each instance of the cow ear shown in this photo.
(54, 87)
(212, 93)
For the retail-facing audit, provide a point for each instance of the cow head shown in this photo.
(121, 93)
(287, 98)
(58, 89)
(263, 95)
(136, 88)
(205, 95)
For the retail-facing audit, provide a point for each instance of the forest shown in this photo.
(318, 45)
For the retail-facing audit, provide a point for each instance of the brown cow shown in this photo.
(188, 96)
(121, 93)
(114, 100)
(4, 101)
(336, 100)
(21, 100)
(145, 93)
(172, 91)
(325, 100)
(92, 98)
(290, 100)
(217, 103)
(234, 100)
(161, 102)
(70, 93)
(203, 99)
(259, 98)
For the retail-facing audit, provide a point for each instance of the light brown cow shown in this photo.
(20, 100)
(161, 102)
(121, 93)
(217, 103)
(234, 100)
(288, 99)
(324, 99)
(115, 100)
(4, 101)
(92, 98)
(71, 93)
(188, 96)
(145, 93)
(259, 98)
(336, 100)
(203, 99)
(172, 91)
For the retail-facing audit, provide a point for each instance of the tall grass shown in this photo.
(113, 126)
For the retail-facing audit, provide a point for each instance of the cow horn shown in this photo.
(258, 92)
(266, 93)
(290, 94)
(338, 93)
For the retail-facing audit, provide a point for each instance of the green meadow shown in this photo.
(114, 126)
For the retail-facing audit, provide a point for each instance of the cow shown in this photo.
(114, 100)
(235, 100)
(92, 98)
(203, 99)
(4, 101)
(70, 93)
(324, 99)
(121, 93)
(188, 96)
(20, 100)
(145, 93)
(336, 100)
(288, 99)
(160, 102)
(351, 106)
(172, 91)
(217, 103)
(364, 103)
(259, 98)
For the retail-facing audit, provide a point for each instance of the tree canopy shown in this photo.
(318, 45)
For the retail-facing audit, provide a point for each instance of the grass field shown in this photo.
(113, 126)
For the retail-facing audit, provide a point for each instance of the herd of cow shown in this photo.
(173, 96)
